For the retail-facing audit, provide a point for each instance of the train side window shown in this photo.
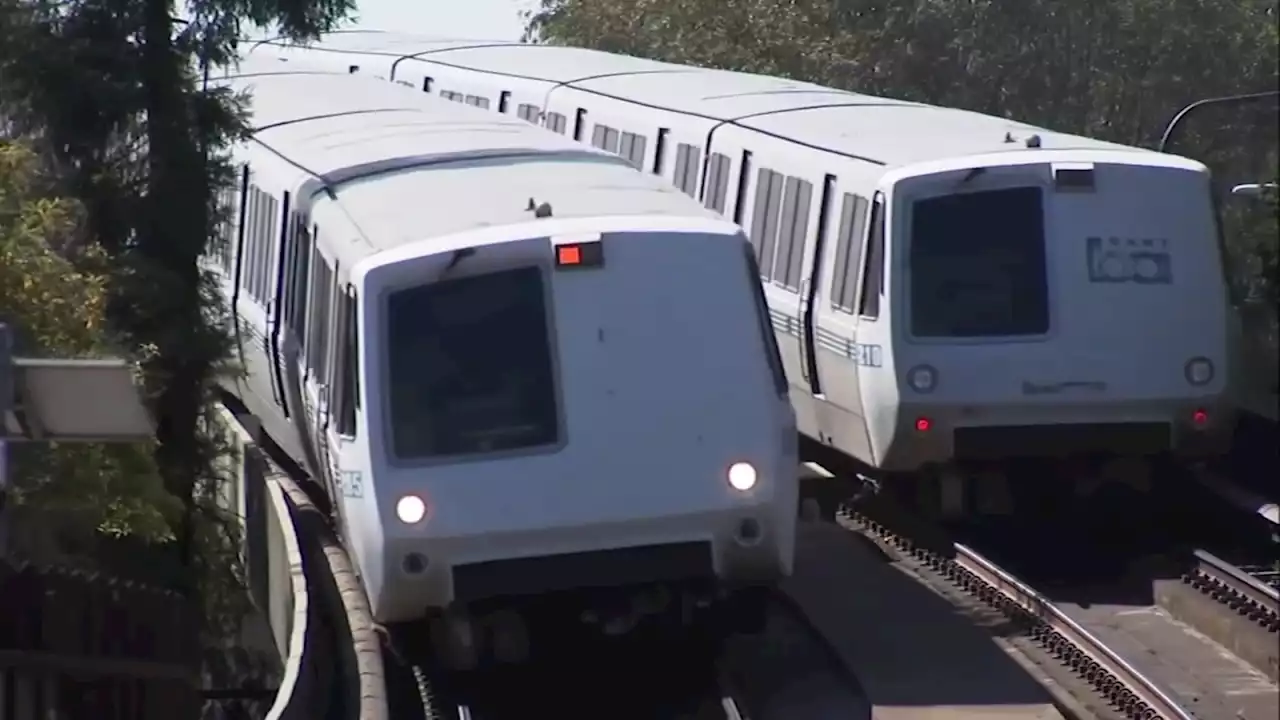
(503, 101)
(285, 247)
(744, 179)
(692, 170)
(579, 124)
(528, 112)
(263, 248)
(228, 206)
(347, 371)
(717, 183)
(764, 218)
(686, 175)
(263, 233)
(481, 102)
(271, 249)
(873, 270)
(844, 274)
(427, 82)
(635, 152)
(251, 216)
(791, 232)
(625, 143)
(660, 151)
(611, 143)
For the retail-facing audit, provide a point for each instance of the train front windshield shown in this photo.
(978, 265)
(471, 366)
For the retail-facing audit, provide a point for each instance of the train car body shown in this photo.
(950, 290)
(480, 338)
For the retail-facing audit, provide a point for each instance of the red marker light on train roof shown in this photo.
(569, 255)
(579, 255)
(923, 424)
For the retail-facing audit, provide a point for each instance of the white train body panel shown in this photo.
(406, 331)
(869, 217)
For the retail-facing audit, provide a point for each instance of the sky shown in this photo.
(478, 19)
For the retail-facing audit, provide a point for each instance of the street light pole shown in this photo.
(1167, 139)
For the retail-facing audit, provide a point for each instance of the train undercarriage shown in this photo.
(516, 630)
(976, 488)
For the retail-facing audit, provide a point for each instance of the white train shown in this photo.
(950, 290)
(518, 366)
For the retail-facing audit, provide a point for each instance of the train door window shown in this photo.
(873, 269)
(296, 310)
(744, 179)
(346, 376)
(844, 274)
(427, 82)
(764, 218)
(503, 101)
(791, 232)
(632, 148)
(579, 124)
(717, 183)
(318, 332)
(353, 69)
(660, 151)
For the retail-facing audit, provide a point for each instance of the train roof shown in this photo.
(407, 167)
(889, 132)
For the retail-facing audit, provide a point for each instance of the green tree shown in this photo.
(64, 498)
(110, 95)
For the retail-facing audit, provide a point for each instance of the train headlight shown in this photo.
(411, 509)
(922, 378)
(742, 476)
(1199, 371)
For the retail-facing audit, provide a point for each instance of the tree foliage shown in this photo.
(110, 95)
(57, 303)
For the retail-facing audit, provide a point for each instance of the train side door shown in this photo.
(811, 290)
(316, 359)
(344, 399)
(276, 305)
